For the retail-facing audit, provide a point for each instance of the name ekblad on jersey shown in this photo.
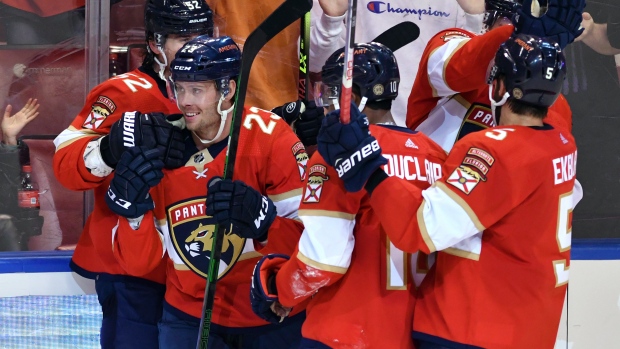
(409, 168)
(564, 168)
(317, 175)
(301, 156)
(191, 233)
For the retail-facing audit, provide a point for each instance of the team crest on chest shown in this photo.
(191, 232)
(302, 159)
(317, 175)
(99, 111)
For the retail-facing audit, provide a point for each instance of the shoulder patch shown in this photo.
(464, 179)
(99, 111)
(453, 35)
(317, 175)
(301, 156)
(482, 154)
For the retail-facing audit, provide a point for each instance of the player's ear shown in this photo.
(154, 47)
(232, 86)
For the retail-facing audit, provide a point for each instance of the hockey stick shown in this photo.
(282, 17)
(304, 58)
(347, 72)
(399, 35)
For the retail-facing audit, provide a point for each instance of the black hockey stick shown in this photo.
(304, 59)
(282, 17)
(399, 35)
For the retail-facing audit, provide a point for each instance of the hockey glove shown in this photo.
(250, 213)
(561, 23)
(263, 292)
(151, 130)
(138, 170)
(308, 124)
(350, 148)
(305, 119)
(289, 111)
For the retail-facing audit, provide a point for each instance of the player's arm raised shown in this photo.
(457, 60)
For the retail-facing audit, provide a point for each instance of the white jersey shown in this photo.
(327, 34)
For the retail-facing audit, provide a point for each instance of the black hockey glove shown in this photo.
(350, 148)
(263, 292)
(151, 130)
(138, 170)
(289, 111)
(305, 119)
(250, 213)
(308, 124)
(561, 23)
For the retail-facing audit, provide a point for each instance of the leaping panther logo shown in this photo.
(191, 232)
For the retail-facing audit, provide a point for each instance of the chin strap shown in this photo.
(360, 107)
(495, 104)
(162, 69)
(223, 116)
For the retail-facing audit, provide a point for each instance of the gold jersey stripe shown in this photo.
(289, 194)
(319, 265)
(326, 213)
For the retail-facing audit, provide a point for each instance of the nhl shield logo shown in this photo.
(191, 232)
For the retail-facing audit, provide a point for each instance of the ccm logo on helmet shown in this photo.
(356, 157)
(181, 67)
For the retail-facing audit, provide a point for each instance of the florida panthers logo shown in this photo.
(191, 232)
(99, 111)
(302, 158)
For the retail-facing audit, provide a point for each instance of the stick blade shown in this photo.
(399, 35)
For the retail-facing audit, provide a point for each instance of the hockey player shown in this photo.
(450, 96)
(86, 156)
(261, 204)
(359, 283)
(374, 17)
(501, 215)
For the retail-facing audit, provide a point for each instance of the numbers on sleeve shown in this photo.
(498, 133)
(133, 81)
(564, 232)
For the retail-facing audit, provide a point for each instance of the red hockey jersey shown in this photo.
(501, 217)
(360, 283)
(450, 95)
(105, 104)
(271, 159)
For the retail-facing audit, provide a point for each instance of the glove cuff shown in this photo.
(106, 152)
(374, 180)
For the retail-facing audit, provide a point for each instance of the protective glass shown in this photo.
(325, 95)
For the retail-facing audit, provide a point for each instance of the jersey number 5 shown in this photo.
(564, 233)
